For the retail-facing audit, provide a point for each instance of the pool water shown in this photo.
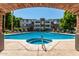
(46, 35)
(38, 41)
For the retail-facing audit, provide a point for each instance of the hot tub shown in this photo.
(38, 41)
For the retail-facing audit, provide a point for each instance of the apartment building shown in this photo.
(37, 25)
(42, 24)
(27, 24)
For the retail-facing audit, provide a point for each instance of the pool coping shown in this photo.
(25, 40)
(17, 33)
(30, 32)
(64, 33)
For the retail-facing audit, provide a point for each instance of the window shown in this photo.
(37, 25)
(26, 24)
(37, 21)
(47, 25)
(47, 22)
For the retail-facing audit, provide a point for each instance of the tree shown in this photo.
(68, 22)
(17, 21)
(8, 21)
(12, 21)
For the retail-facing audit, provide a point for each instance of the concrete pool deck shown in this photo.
(60, 48)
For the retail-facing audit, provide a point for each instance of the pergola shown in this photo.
(7, 7)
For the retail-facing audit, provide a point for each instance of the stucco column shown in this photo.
(77, 33)
(4, 18)
(1, 33)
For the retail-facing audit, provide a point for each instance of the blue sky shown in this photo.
(39, 12)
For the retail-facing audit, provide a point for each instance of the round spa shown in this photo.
(38, 41)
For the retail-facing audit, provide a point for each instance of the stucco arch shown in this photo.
(13, 6)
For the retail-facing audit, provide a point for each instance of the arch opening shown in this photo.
(43, 19)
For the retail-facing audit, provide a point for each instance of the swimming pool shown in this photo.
(46, 35)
